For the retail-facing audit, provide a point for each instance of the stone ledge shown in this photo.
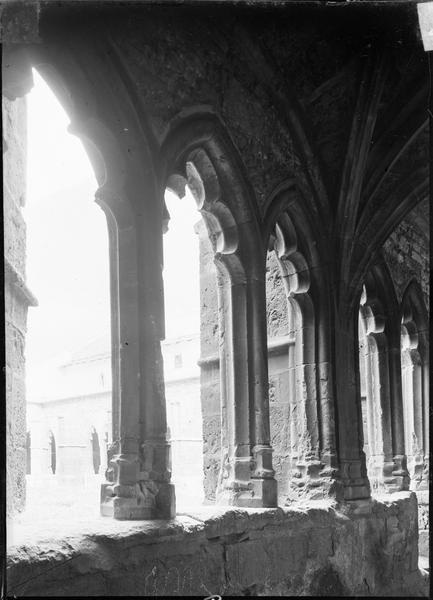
(296, 550)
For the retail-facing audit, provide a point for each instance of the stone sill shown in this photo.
(99, 551)
(207, 521)
(199, 520)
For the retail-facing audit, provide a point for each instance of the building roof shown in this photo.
(100, 347)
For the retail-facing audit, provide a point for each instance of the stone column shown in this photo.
(345, 356)
(263, 480)
(379, 409)
(326, 392)
(248, 477)
(138, 485)
(307, 466)
(400, 472)
(236, 488)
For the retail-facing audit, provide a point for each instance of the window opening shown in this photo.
(415, 378)
(68, 335)
(375, 388)
(181, 347)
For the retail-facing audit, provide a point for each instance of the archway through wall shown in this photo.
(291, 356)
(415, 384)
(183, 254)
(68, 370)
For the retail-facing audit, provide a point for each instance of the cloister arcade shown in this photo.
(284, 203)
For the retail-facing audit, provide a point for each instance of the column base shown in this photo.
(356, 491)
(312, 480)
(142, 501)
(400, 474)
(257, 493)
(354, 484)
(388, 475)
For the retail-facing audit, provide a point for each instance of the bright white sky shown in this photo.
(67, 247)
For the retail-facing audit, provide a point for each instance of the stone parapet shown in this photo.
(307, 549)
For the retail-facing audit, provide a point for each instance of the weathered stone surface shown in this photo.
(277, 313)
(17, 297)
(309, 549)
(423, 522)
(406, 252)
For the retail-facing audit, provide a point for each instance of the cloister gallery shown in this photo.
(301, 130)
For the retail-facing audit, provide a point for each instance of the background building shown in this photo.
(69, 431)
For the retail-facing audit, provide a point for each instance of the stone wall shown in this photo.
(366, 548)
(407, 252)
(17, 297)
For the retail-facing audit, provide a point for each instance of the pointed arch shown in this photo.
(298, 251)
(197, 151)
(379, 317)
(105, 113)
(415, 375)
